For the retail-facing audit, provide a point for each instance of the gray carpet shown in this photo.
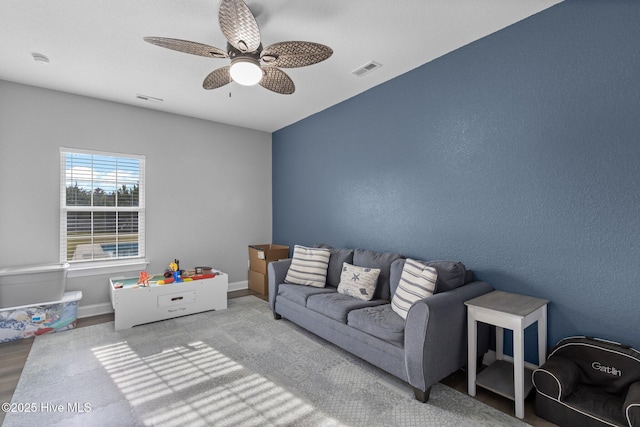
(236, 367)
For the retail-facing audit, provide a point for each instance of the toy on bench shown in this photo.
(143, 279)
(175, 267)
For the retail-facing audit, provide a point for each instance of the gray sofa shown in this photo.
(430, 345)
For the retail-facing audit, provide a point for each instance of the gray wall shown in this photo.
(207, 196)
(518, 154)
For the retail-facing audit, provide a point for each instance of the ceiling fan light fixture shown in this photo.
(244, 49)
(246, 71)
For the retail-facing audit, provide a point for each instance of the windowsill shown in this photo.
(96, 268)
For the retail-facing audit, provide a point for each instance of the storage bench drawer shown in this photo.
(176, 299)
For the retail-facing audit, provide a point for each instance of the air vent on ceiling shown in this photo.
(148, 98)
(367, 68)
(38, 57)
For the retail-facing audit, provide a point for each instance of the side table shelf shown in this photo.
(498, 378)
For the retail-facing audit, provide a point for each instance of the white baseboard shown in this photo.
(104, 308)
(94, 310)
(490, 357)
(238, 286)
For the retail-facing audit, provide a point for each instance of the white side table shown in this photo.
(515, 312)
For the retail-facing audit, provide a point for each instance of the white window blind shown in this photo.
(102, 209)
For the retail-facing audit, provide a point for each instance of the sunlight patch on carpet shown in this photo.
(247, 400)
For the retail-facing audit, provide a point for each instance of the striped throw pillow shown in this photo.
(308, 266)
(417, 281)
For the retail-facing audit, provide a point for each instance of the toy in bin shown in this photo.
(173, 274)
(175, 267)
(204, 270)
(144, 278)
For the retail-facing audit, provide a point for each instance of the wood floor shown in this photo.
(13, 356)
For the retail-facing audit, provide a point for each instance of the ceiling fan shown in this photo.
(250, 63)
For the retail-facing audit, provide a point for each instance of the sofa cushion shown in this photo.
(337, 306)
(417, 281)
(394, 274)
(604, 407)
(300, 293)
(358, 282)
(338, 257)
(380, 321)
(308, 266)
(382, 261)
(451, 274)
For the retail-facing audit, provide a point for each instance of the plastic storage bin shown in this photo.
(32, 320)
(32, 284)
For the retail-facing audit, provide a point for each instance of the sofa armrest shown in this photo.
(435, 336)
(632, 405)
(277, 271)
(557, 377)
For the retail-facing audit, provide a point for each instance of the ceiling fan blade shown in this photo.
(188, 47)
(277, 81)
(239, 25)
(217, 78)
(295, 54)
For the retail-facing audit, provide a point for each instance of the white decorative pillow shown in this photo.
(308, 266)
(417, 281)
(358, 282)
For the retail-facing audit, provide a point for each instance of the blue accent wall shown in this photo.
(518, 154)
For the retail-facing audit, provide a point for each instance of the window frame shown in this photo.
(136, 261)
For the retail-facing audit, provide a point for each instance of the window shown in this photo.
(101, 206)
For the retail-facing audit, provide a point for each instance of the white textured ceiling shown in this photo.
(96, 49)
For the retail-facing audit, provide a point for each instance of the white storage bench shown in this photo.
(136, 305)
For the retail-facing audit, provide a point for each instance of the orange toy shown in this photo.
(144, 278)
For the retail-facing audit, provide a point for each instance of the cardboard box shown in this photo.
(258, 282)
(261, 255)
